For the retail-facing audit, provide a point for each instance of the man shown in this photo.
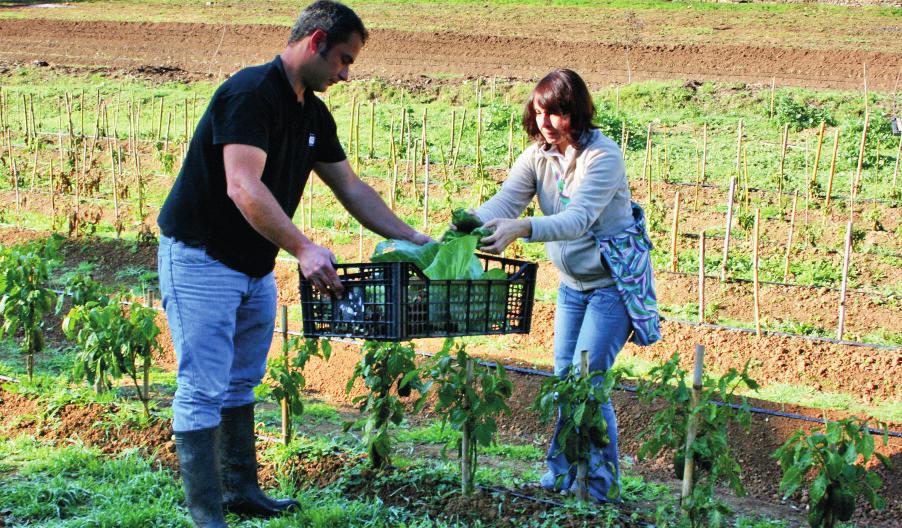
(222, 225)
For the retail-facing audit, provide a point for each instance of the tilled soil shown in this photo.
(185, 52)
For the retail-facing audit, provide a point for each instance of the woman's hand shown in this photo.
(506, 231)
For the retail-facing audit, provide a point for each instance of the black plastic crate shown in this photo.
(395, 301)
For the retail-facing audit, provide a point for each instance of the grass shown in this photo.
(798, 394)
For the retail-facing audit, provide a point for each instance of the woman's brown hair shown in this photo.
(561, 92)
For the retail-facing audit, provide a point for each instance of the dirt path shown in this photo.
(173, 51)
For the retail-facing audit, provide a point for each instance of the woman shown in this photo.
(579, 177)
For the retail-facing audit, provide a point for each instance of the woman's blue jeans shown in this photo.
(594, 320)
(222, 326)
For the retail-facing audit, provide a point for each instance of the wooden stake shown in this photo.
(372, 129)
(424, 132)
(582, 468)
(426, 196)
(845, 282)
(817, 159)
(755, 272)
(674, 233)
(286, 412)
(52, 198)
(792, 224)
(898, 156)
(739, 150)
(705, 152)
(701, 276)
(864, 134)
(148, 298)
(115, 187)
(692, 428)
(453, 125)
(832, 170)
(646, 167)
(726, 239)
(466, 470)
(510, 141)
(783, 161)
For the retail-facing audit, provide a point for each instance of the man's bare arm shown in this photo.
(365, 204)
(244, 170)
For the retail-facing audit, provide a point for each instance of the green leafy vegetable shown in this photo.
(464, 220)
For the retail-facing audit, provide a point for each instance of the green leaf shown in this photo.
(818, 488)
(404, 251)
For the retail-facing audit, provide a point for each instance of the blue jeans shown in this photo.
(594, 320)
(222, 325)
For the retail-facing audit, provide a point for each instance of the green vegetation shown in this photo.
(837, 456)
(710, 448)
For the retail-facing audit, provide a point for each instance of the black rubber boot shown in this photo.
(241, 492)
(198, 453)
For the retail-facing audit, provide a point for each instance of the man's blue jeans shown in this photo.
(597, 321)
(222, 326)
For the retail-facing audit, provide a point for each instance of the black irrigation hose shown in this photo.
(629, 388)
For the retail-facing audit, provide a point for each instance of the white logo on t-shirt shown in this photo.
(311, 140)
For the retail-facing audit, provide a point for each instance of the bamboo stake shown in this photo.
(674, 233)
(453, 125)
(372, 129)
(160, 121)
(701, 276)
(359, 242)
(817, 159)
(833, 170)
(726, 240)
(460, 135)
(424, 132)
(783, 162)
(646, 168)
(426, 196)
(465, 463)
(898, 156)
(148, 297)
(510, 141)
(52, 198)
(286, 412)
(34, 171)
(582, 468)
(623, 137)
(864, 134)
(115, 188)
(692, 428)
(757, 296)
(705, 152)
(739, 150)
(25, 126)
(845, 282)
(792, 224)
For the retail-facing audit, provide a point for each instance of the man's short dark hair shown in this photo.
(338, 21)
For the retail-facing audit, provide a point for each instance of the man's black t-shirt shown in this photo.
(257, 106)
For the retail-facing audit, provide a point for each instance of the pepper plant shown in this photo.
(383, 366)
(81, 289)
(113, 343)
(287, 374)
(711, 448)
(833, 459)
(578, 399)
(26, 300)
(469, 397)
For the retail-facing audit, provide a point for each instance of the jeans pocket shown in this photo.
(607, 301)
(186, 255)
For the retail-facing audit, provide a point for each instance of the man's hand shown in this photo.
(421, 239)
(506, 231)
(317, 265)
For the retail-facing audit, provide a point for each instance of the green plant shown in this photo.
(288, 378)
(469, 396)
(578, 399)
(710, 449)
(26, 300)
(81, 288)
(834, 459)
(383, 366)
(799, 114)
(112, 343)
